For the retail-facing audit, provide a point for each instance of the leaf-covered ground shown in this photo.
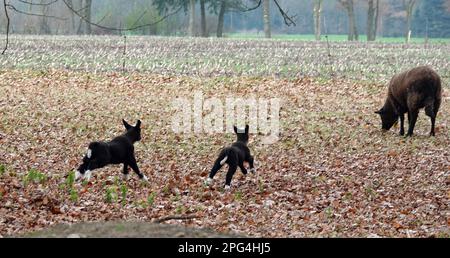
(332, 173)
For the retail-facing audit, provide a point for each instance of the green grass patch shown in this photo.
(34, 176)
(333, 38)
(2, 169)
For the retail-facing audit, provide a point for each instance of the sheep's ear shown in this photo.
(235, 129)
(138, 124)
(379, 111)
(127, 125)
(247, 129)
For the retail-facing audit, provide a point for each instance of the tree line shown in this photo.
(204, 18)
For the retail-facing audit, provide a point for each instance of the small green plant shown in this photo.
(347, 196)
(142, 204)
(2, 169)
(238, 196)
(370, 192)
(124, 191)
(62, 186)
(166, 189)
(329, 212)
(260, 186)
(69, 185)
(84, 182)
(111, 194)
(73, 194)
(151, 199)
(70, 180)
(34, 176)
(180, 209)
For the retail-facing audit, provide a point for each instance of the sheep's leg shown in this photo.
(402, 124)
(429, 111)
(413, 114)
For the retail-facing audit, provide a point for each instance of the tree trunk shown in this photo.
(87, 15)
(370, 21)
(408, 28)
(377, 14)
(44, 27)
(351, 32)
(317, 16)
(352, 29)
(203, 18)
(29, 24)
(409, 6)
(72, 18)
(355, 28)
(223, 8)
(266, 18)
(192, 18)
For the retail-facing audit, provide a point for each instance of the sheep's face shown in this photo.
(388, 119)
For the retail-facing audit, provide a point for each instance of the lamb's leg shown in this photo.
(437, 105)
(251, 162)
(213, 171)
(231, 170)
(133, 164)
(412, 122)
(92, 165)
(79, 173)
(402, 124)
(125, 171)
(243, 169)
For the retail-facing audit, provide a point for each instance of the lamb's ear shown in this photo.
(127, 126)
(138, 124)
(247, 129)
(379, 111)
(235, 129)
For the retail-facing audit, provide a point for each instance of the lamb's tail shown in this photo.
(225, 155)
(91, 149)
(224, 160)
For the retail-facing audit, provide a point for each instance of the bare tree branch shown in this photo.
(33, 14)
(253, 8)
(119, 29)
(288, 20)
(7, 27)
(138, 19)
(173, 217)
(104, 17)
(41, 4)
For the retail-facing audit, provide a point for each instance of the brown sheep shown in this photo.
(408, 92)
